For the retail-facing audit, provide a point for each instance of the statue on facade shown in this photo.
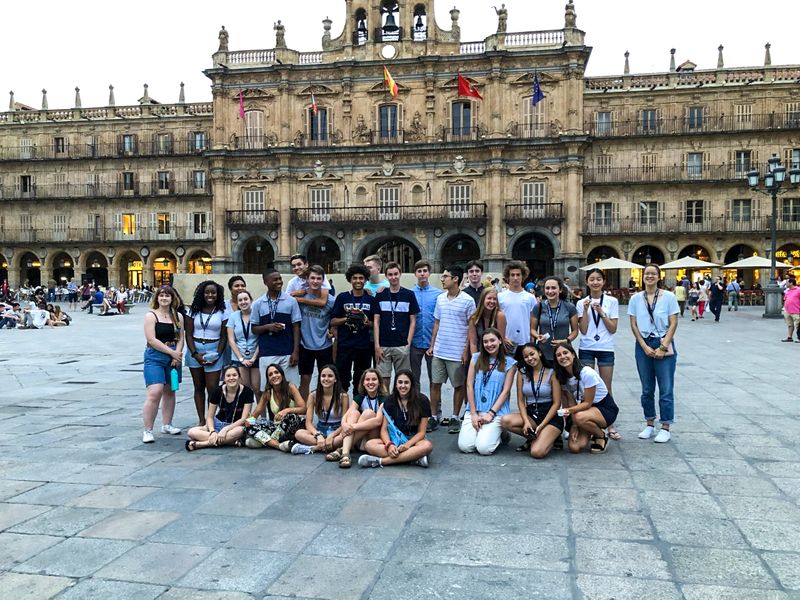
(223, 40)
(570, 18)
(502, 18)
(417, 131)
(361, 132)
(280, 34)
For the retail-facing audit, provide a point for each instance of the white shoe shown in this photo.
(647, 433)
(367, 460)
(147, 437)
(168, 428)
(302, 449)
(663, 436)
(286, 446)
(422, 462)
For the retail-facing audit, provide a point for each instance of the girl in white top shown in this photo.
(598, 317)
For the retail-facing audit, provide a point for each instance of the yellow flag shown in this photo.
(390, 83)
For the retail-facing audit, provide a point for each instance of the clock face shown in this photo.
(388, 51)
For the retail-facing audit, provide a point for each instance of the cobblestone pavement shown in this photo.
(87, 511)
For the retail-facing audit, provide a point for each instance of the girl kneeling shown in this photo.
(278, 415)
(328, 403)
(228, 409)
(364, 418)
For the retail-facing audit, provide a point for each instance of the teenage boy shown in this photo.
(276, 320)
(353, 314)
(377, 282)
(395, 321)
(518, 306)
(449, 345)
(474, 285)
(298, 284)
(426, 300)
(316, 346)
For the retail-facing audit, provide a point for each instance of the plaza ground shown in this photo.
(87, 511)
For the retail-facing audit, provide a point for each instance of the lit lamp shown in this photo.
(322, 247)
(532, 244)
(459, 245)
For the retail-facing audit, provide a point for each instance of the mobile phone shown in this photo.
(546, 337)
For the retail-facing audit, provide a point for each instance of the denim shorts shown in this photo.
(218, 425)
(204, 348)
(157, 366)
(605, 358)
(328, 427)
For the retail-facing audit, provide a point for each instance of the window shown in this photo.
(59, 145)
(163, 143)
(128, 183)
(742, 210)
(253, 205)
(198, 222)
(320, 201)
(92, 184)
(26, 184)
(128, 224)
(199, 180)
(604, 123)
(387, 115)
(128, 144)
(164, 182)
(319, 125)
(25, 223)
(694, 211)
(648, 123)
(461, 118)
(534, 119)
(60, 186)
(791, 210)
(793, 114)
(694, 165)
(460, 198)
(648, 213)
(59, 227)
(199, 141)
(534, 197)
(602, 213)
(793, 159)
(743, 115)
(649, 162)
(604, 163)
(742, 162)
(389, 202)
(163, 226)
(91, 146)
(253, 129)
(26, 148)
(695, 120)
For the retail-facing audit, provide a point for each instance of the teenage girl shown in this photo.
(228, 408)
(329, 403)
(280, 398)
(364, 418)
(243, 342)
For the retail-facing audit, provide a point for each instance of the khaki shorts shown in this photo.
(792, 319)
(448, 369)
(397, 358)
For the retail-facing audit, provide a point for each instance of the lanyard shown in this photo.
(597, 318)
(553, 319)
(205, 325)
(245, 328)
(535, 389)
(369, 403)
(652, 309)
(577, 390)
(392, 307)
(488, 373)
(403, 411)
(330, 408)
(272, 305)
(235, 402)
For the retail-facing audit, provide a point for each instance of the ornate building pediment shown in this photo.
(253, 175)
(380, 88)
(318, 91)
(527, 79)
(534, 165)
(253, 94)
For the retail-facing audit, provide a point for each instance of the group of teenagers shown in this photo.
(378, 335)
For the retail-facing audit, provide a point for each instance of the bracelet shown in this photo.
(662, 348)
(493, 411)
(318, 435)
(388, 445)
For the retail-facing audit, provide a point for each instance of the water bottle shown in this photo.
(174, 384)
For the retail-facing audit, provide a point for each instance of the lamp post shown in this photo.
(772, 182)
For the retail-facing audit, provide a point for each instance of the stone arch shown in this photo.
(542, 231)
(129, 265)
(198, 261)
(62, 266)
(328, 256)
(452, 236)
(240, 247)
(165, 265)
(95, 266)
(373, 242)
(26, 261)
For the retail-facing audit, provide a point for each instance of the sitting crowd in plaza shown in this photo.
(251, 362)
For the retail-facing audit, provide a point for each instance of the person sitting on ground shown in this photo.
(228, 408)
(405, 422)
(56, 316)
(12, 316)
(279, 413)
(329, 403)
(363, 420)
(36, 317)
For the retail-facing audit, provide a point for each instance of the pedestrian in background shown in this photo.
(733, 290)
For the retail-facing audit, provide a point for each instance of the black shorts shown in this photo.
(537, 412)
(309, 357)
(608, 408)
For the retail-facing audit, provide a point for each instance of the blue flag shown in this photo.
(538, 95)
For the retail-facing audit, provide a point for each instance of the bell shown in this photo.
(419, 24)
(390, 26)
(362, 26)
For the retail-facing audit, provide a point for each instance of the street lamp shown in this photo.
(773, 180)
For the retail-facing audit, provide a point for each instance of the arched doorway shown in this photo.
(790, 254)
(748, 276)
(200, 263)
(698, 252)
(323, 251)
(537, 252)
(63, 268)
(164, 265)
(97, 269)
(602, 253)
(459, 250)
(3, 269)
(644, 256)
(130, 269)
(257, 256)
(393, 249)
(30, 270)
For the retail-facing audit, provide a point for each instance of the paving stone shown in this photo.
(620, 559)
(777, 509)
(10, 487)
(721, 466)
(662, 501)
(716, 592)
(11, 514)
(738, 568)
(195, 527)
(75, 557)
(694, 530)
(237, 569)
(292, 507)
(770, 535)
(395, 514)
(589, 498)
(785, 567)
(314, 577)
(113, 496)
(278, 535)
(174, 500)
(595, 587)
(100, 474)
(19, 547)
(191, 594)
(740, 486)
(90, 589)
(64, 521)
(155, 563)
(130, 525)
(611, 525)
(53, 493)
(493, 519)
(393, 488)
(21, 586)
(351, 541)
(674, 482)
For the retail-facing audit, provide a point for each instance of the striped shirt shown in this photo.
(452, 315)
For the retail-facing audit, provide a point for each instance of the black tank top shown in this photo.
(165, 332)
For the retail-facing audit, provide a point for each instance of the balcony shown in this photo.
(251, 219)
(102, 190)
(687, 126)
(676, 225)
(431, 214)
(182, 147)
(86, 235)
(550, 213)
(672, 174)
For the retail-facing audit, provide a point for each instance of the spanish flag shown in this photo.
(390, 83)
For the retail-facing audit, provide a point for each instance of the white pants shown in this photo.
(485, 441)
(292, 373)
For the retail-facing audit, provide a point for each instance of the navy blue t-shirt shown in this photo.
(396, 310)
(282, 310)
(354, 333)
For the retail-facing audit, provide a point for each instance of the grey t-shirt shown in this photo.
(315, 323)
(560, 316)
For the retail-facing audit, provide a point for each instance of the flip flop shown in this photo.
(190, 445)
(615, 435)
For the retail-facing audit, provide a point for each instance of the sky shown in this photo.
(94, 43)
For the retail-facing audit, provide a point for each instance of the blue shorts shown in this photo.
(204, 348)
(328, 427)
(157, 366)
(219, 425)
(605, 358)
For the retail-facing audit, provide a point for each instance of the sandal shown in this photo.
(334, 456)
(190, 445)
(614, 434)
(524, 447)
(238, 444)
(596, 447)
(344, 462)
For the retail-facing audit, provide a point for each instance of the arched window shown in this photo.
(361, 33)
(420, 31)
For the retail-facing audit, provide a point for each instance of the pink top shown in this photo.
(791, 301)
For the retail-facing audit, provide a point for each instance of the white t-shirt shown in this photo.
(518, 307)
(296, 283)
(39, 318)
(453, 315)
(209, 326)
(589, 379)
(606, 341)
(666, 305)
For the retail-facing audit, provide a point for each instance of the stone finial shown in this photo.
(454, 26)
(672, 60)
(767, 55)
(11, 100)
(223, 40)
(111, 100)
(627, 69)
(44, 100)
(720, 60)
(181, 96)
(326, 25)
(280, 34)
(77, 97)
(570, 18)
(146, 96)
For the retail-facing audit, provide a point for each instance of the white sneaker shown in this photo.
(302, 449)
(367, 460)
(663, 436)
(286, 446)
(168, 428)
(647, 433)
(147, 437)
(423, 462)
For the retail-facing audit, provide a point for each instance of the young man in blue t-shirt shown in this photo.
(395, 322)
(316, 345)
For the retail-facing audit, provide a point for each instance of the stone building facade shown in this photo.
(309, 152)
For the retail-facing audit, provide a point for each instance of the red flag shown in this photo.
(241, 104)
(465, 88)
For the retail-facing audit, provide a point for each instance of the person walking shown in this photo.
(680, 295)
(694, 299)
(791, 309)
(716, 294)
(703, 299)
(733, 290)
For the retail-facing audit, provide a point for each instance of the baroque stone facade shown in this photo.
(309, 152)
